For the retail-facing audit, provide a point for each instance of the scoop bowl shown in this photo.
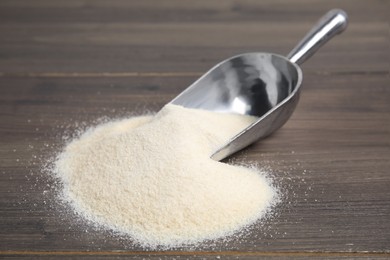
(264, 85)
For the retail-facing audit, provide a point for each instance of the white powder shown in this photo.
(152, 177)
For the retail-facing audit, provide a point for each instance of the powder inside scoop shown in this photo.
(152, 177)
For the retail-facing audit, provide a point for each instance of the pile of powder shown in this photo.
(152, 177)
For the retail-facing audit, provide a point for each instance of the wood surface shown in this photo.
(68, 64)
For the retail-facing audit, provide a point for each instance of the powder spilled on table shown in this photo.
(152, 178)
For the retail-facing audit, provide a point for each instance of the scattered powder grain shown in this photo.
(152, 177)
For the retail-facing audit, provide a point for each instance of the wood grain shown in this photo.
(66, 65)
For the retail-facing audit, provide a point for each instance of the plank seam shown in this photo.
(200, 253)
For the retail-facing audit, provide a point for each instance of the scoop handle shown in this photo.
(332, 23)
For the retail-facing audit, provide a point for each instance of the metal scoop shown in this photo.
(265, 85)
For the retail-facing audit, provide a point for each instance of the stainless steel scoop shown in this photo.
(265, 85)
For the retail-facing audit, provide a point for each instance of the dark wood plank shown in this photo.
(68, 64)
(93, 36)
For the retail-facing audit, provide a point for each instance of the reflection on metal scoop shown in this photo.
(265, 85)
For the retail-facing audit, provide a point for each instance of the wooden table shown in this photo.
(67, 64)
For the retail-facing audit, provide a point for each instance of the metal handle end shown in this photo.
(332, 23)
